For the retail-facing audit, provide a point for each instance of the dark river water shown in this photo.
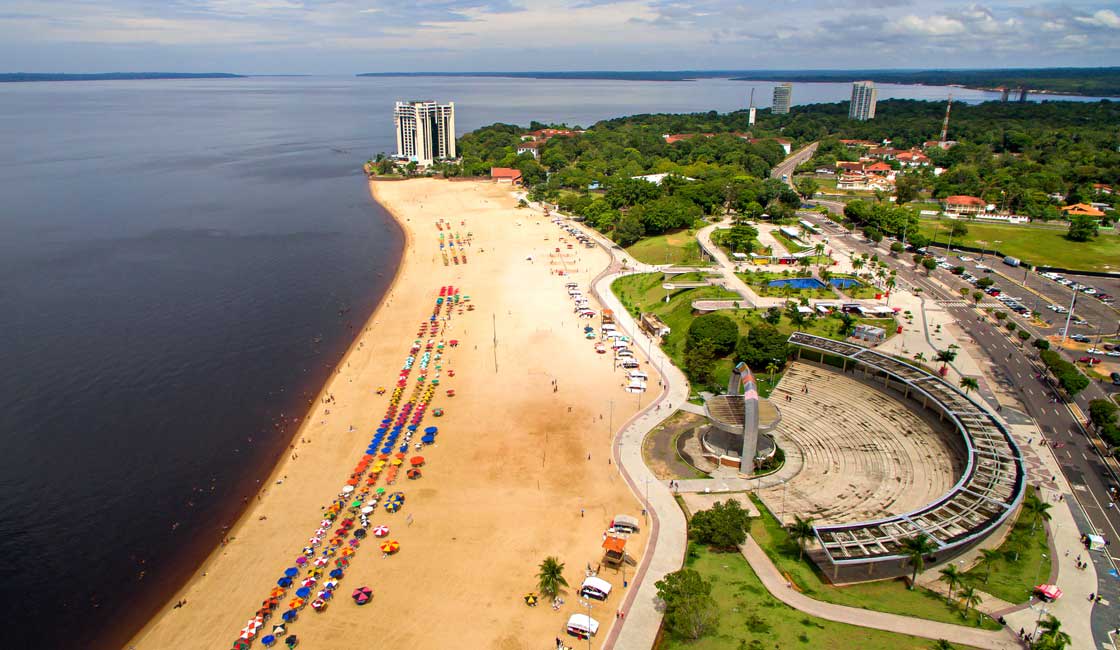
(180, 264)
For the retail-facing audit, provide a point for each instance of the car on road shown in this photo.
(1089, 361)
(1113, 353)
(1080, 321)
(1081, 338)
(1088, 290)
(1095, 351)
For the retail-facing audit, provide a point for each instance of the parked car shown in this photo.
(1089, 361)
(1081, 338)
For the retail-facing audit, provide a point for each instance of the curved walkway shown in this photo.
(777, 585)
(668, 528)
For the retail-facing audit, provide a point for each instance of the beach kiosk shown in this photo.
(582, 626)
(614, 550)
(596, 588)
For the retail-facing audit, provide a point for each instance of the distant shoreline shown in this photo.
(1085, 82)
(22, 77)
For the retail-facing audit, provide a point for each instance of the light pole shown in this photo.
(1039, 569)
(1041, 612)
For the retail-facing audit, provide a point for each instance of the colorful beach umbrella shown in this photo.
(291, 641)
(390, 547)
(291, 572)
(380, 531)
(289, 615)
(362, 595)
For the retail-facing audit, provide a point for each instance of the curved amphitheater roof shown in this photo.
(988, 491)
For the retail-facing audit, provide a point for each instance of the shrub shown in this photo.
(724, 526)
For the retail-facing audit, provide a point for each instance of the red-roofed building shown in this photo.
(545, 134)
(878, 168)
(506, 175)
(530, 147)
(1081, 210)
(848, 166)
(1103, 189)
(883, 153)
(853, 144)
(963, 204)
(912, 158)
(937, 144)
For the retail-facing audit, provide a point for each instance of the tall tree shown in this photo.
(550, 576)
(970, 598)
(969, 383)
(950, 575)
(916, 549)
(801, 531)
(1038, 509)
(988, 556)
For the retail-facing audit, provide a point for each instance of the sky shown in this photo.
(350, 36)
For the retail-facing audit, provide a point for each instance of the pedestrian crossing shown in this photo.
(953, 303)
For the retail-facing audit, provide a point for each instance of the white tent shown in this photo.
(598, 587)
(582, 624)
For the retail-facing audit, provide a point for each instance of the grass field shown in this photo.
(1017, 571)
(865, 291)
(1036, 245)
(642, 292)
(679, 247)
(790, 245)
(890, 596)
(751, 619)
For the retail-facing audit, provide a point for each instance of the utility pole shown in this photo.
(1069, 317)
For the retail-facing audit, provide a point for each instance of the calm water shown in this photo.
(180, 262)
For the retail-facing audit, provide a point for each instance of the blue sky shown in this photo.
(347, 36)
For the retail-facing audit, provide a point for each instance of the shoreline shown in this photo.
(243, 513)
(522, 488)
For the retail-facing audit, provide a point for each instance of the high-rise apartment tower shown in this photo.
(425, 131)
(864, 97)
(783, 94)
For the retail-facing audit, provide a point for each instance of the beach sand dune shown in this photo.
(520, 470)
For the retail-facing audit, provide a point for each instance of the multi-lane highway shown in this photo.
(789, 165)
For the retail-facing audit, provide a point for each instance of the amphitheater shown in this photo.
(878, 451)
(864, 453)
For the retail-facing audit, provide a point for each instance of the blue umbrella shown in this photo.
(427, 440)
(303, 592)
(413, 427)
(432, 430)
(284, 582)
(386, 449)
(337, 573)
(403, 448)
(291, 572)
(327, 594)
(268, 639)
(289, 615)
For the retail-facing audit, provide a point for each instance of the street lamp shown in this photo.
(1039, 569)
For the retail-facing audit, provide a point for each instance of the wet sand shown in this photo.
(519, 472)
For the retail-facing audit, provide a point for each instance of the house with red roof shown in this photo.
(1102, 188)
(531, 147)
(964, 204)
(1081, 210)
(505, 175)
(912, 158)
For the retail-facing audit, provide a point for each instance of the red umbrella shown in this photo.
(362, 595)
(416, 461)
(380, 531)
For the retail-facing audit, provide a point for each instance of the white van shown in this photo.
(623, 352)
(608, 327)
(628, 363)
(582, 625)
(596, 588)
(637, 374)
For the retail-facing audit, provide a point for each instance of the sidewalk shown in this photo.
(777, 585)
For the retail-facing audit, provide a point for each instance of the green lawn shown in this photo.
(1017, 571)
(679, 247)
(890, 596)
(866, 290)
(751, 619)
(790, 245)
(1034, 244)
(642, 292)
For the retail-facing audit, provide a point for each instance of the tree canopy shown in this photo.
(762, 346)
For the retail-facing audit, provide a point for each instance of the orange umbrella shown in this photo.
(295, 603)
(276, 591)
(417, 461)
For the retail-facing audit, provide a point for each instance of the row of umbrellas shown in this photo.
(391, 427)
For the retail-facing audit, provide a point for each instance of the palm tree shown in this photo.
(969, 383)
(550, 578)
(987, 557)
(916, 549)
(950, 574)
(1038, 509)
(801, 530)
(920, 357)
(857, 263)
(945, 357)
(772, 368)
(970, 597)
(1052, 636)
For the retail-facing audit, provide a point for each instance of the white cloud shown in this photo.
(928, 25)
(1102, 18)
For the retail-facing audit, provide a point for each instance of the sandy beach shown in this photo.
(520, 471)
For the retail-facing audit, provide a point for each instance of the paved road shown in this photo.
(787, 166)
(1019, 369)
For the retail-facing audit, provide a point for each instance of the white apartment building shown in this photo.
(864, 97)
(783, 95)
(425, 131)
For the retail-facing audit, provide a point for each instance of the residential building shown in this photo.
(879, 168)
(963, 204)
(531, 147)
(425, 131)
(546, 134)
(657, 178)
(938, 144)
(783, 96)
(506, 175)
(1102, 188)
(1081, 210)
(864, 97)
(883, 153)
(855, 144)
(912, 158)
